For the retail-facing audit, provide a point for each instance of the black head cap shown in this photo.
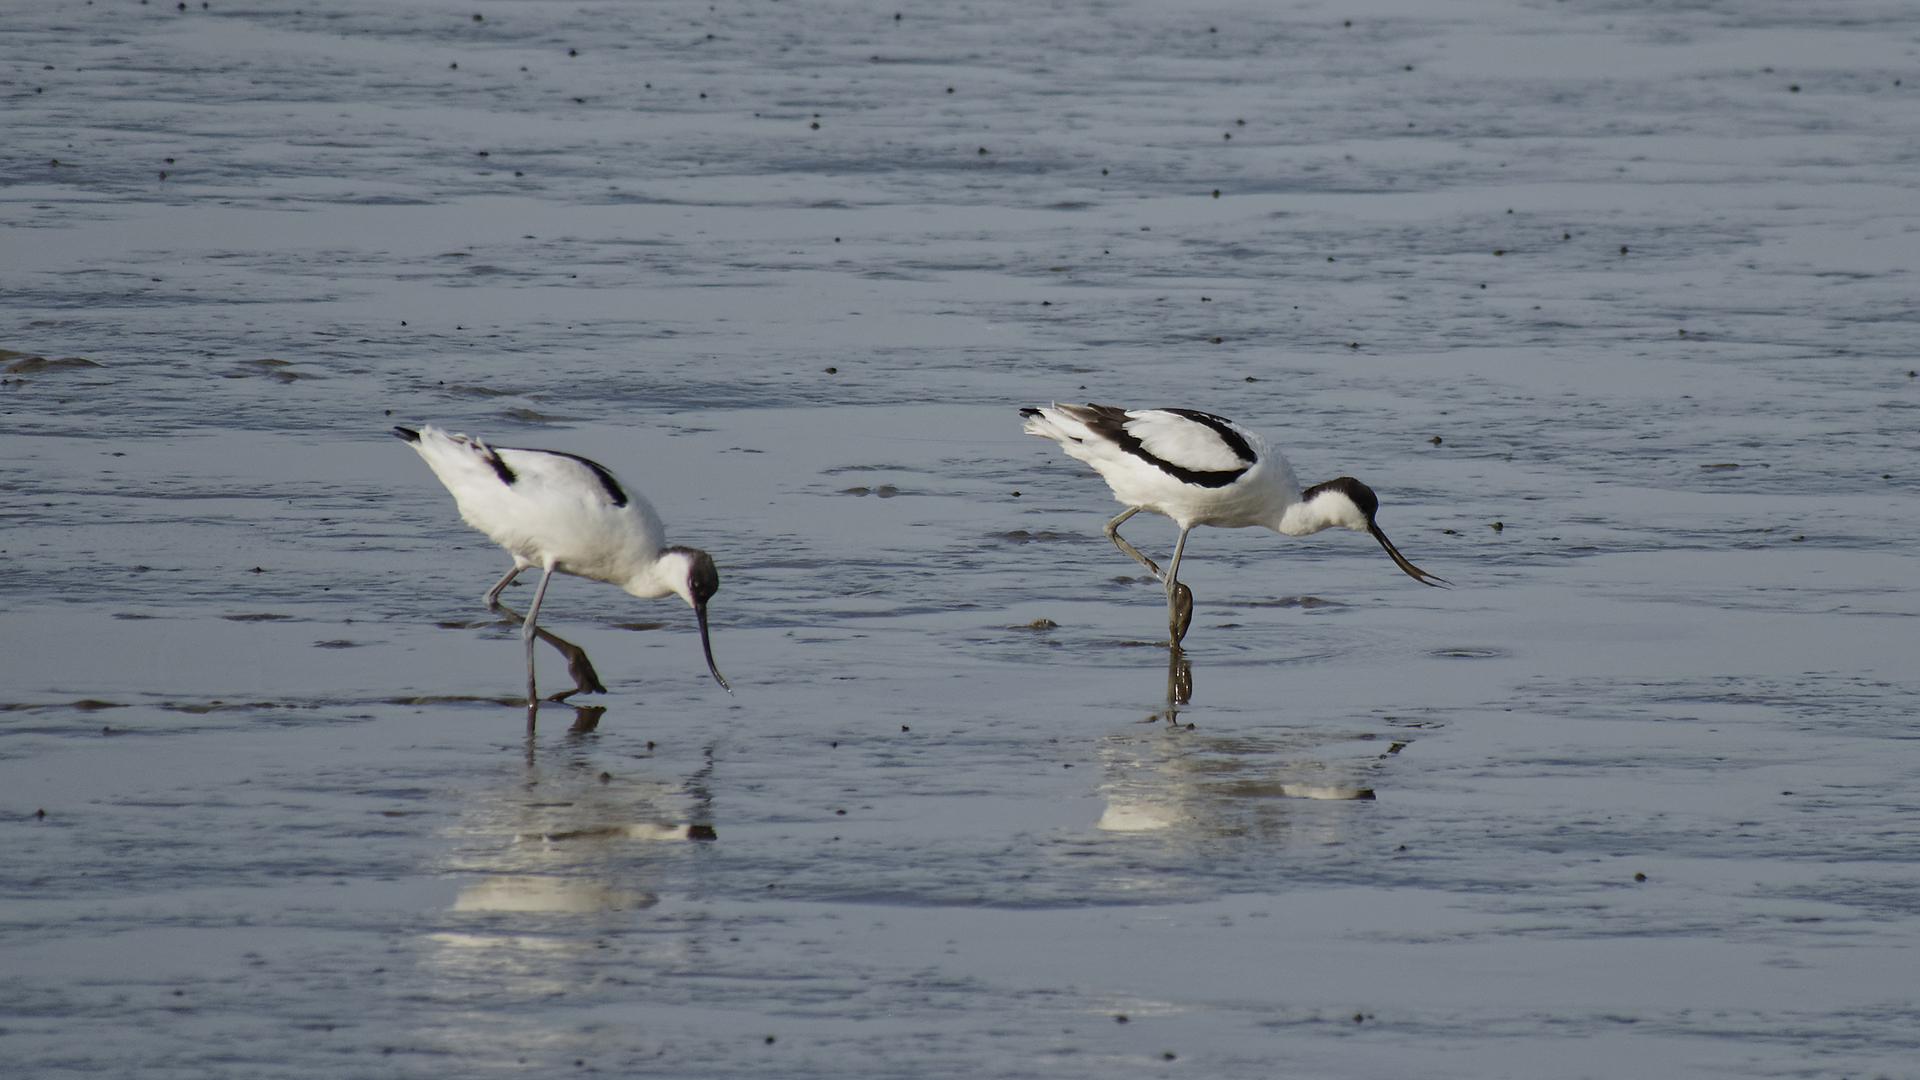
(703, 579)
(1362, 495)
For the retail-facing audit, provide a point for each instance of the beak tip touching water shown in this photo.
(706, 646)
(1406, 567)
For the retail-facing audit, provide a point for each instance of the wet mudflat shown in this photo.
(1612, 305)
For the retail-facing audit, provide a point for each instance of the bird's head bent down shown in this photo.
(690, 573)
(1349, 504)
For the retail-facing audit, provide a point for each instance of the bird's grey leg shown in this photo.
(585, 679)
(1179, 597)
(493, 594)
(1113, 534)
(529, 627)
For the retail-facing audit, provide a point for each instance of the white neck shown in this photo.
(1324, 511)
(665, 575)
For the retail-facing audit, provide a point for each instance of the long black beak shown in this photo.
(706, 645)
(1399, 560)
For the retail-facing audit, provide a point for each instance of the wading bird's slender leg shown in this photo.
(585, 679)
(1179, 594)
(529, 629)
(1179, 597)
(493, 594)
(1113, 534)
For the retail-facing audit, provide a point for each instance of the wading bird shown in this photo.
(562, 512)
(1202, 469)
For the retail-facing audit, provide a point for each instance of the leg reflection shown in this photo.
(1179, 677)
(586, 718)
(1179, 685)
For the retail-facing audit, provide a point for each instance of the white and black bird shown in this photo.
(561, 512)
(1202, 469)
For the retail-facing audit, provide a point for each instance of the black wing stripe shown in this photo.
(500, 469)
(607, 483)
(1111, 423)
(1223, 428)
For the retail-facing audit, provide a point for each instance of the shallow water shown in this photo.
(1654, 305)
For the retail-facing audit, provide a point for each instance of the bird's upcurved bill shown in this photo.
(700, 610)
(1400, 560)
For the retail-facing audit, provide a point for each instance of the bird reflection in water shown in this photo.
(557, 851)
(568, 837)
(1227, 785)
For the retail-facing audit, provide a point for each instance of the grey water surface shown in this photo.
(1613, 303)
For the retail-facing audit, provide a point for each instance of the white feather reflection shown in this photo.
(555, 846)
(1174, 777)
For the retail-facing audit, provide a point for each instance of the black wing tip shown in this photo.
(406, 433)
(1029, 411)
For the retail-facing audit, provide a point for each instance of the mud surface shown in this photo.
(1613, 304)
